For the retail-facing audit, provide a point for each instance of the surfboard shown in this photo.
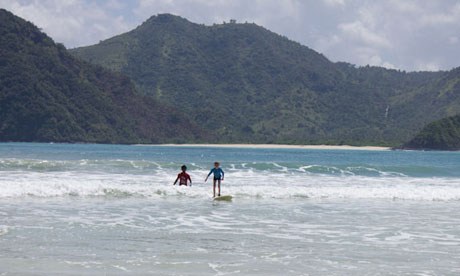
(224, 198)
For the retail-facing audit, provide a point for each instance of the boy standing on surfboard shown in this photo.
(183, 177)
(218, 176)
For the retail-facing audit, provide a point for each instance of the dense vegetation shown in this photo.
(247, 84)
(240, 82)
(46, 94)
(440, 135)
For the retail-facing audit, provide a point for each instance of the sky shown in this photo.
(411, 35)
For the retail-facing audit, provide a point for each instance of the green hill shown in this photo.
(440, 135)
(247, 84)
(46, 94)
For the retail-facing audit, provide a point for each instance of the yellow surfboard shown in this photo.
(224, 198)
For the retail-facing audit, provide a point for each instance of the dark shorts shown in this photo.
(217, 178)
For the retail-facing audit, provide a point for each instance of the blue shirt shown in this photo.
(218, 173)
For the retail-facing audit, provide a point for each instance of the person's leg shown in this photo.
(214, 189)
(219, 187)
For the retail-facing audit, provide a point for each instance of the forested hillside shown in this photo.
(222, 83)
(46, 94)
(440, 135)
(247, 84)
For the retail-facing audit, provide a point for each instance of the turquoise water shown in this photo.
(70, 209)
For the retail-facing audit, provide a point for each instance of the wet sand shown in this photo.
(275, 146)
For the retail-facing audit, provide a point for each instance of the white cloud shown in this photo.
(115, 4)
(370, 56)
(406, 34)
(406, 6)
(427, 66)
(73, 22)
(334, 3)
(356, 30)
(445, 17)
(325, 43)
(453, 39)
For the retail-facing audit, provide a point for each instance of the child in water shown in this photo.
(218, 176)
(183, 177)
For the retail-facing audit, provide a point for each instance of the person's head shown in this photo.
(183, 168)
(216, 164)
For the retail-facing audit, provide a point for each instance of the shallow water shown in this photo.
(95, 209)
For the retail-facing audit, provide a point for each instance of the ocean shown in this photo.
(82, 209)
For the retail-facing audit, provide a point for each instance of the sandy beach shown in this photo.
(275, 146)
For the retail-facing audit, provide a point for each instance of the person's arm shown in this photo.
(176, 180)
(189, 178)
(222, 171)
(212, 170)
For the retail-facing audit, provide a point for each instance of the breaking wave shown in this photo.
(258, 180)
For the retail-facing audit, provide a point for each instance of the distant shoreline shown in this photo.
(274, 146)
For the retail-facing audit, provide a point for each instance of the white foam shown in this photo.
(3, 229)
(240, 183)
(282, 168)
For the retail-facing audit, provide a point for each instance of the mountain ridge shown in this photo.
(248, 84)
(226, 83)
(443, 134)
(47, 95)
